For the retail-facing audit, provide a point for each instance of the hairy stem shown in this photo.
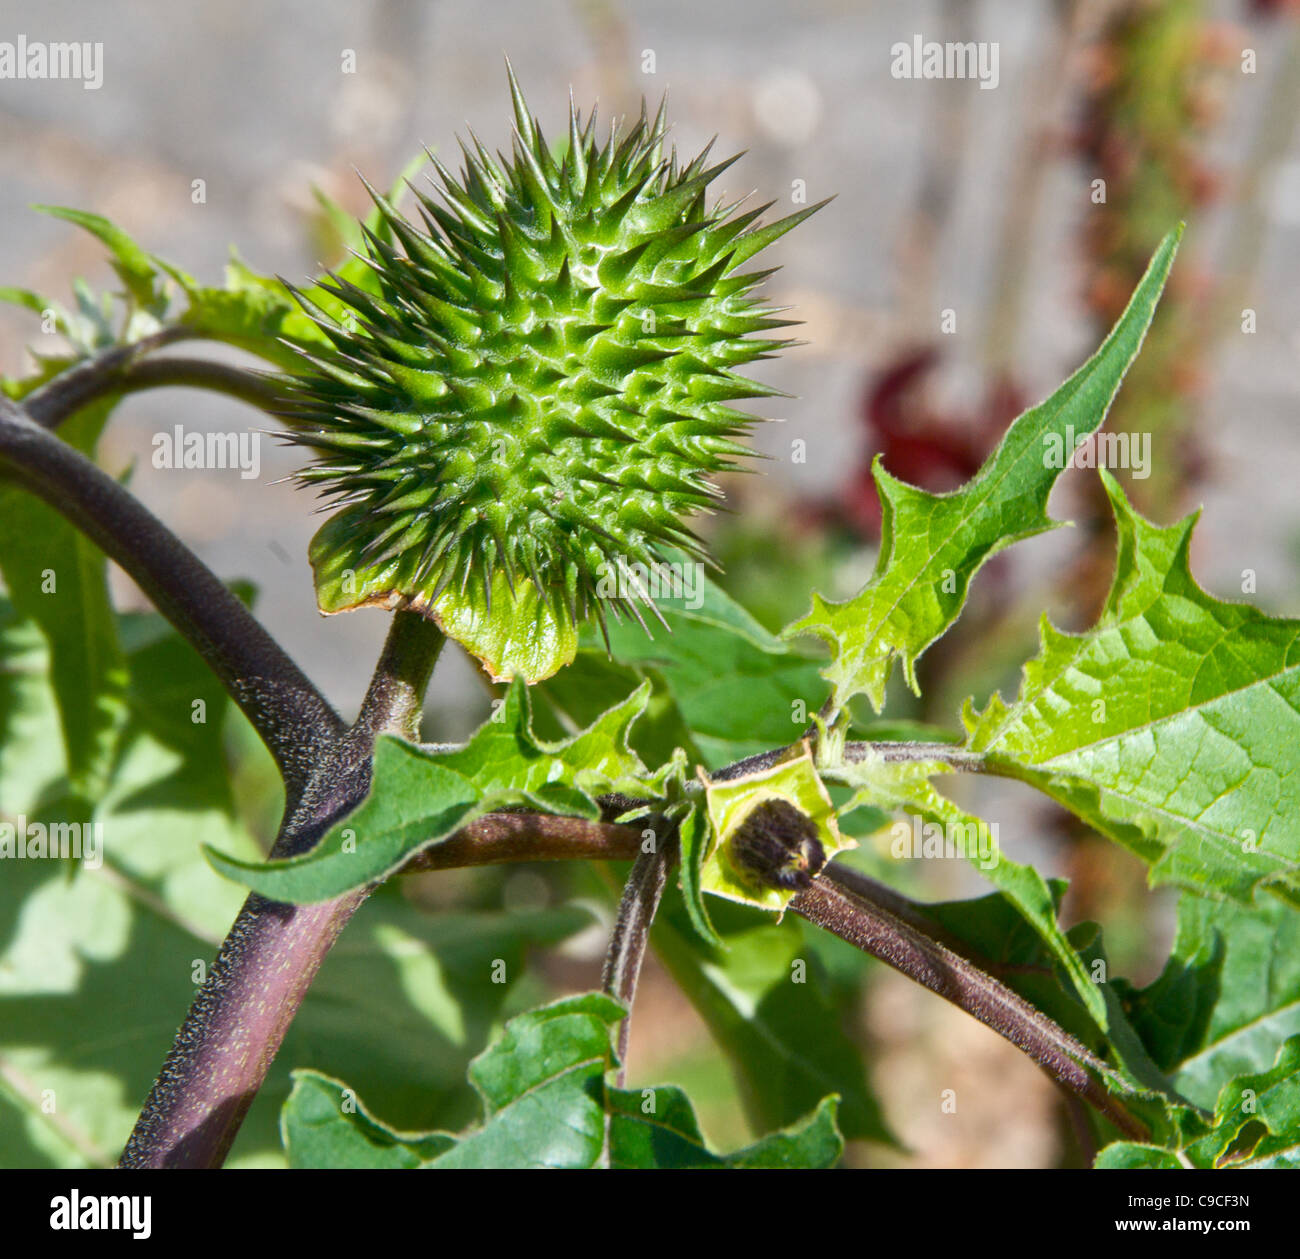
(266, 964)
(233, 1030)
(952, 755)
(124, 369)
(395, 695)
(255, 388)
(876, 929)
(498, 838)
(292, 718)
(96, 377)
(627, 943)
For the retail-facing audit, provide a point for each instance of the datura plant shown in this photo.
(519, 414)
(514, 397)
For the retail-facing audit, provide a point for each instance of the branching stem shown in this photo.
(266, 964)
(96, 377)
(292, 718)
(876, 929)
(627, 944)
(124, 369)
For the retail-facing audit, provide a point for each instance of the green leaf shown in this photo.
(541, 1085)
(933, 544)
(695, 837)
(1257, 1117)
(1173, 725)
(258, 313)
(1256, 1124)
(136, 267)
(409, 995)
(669, 1136)
(59, 579)
(419, 797)
(577, 695)
(25, 298)
(546, 1104)
(324, 1124)
(254, 312)
(1229, 996)
(1130, 1155)
(739, 689)
(906, 786)
(32, 753)
(87, 328)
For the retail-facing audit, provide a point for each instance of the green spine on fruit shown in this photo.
(532, 391)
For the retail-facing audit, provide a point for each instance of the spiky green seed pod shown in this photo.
(532, 394)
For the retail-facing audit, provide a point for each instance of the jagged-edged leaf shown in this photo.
(657, 1128)
(1173, 725)
(250, 310)
(324, 1124)
(1257, 1117)
(541, 1085)
(419, 797)
(574, 696)
(545, 1104)
(136, 267)
(933, 544)
(256, 311)
(1256, 1124)
(1137, 1156)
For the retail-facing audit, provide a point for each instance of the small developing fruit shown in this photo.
(530, 393)
(777, 845)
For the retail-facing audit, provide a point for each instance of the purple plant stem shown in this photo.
(286, 710)
(876, 929)
(268, 960)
